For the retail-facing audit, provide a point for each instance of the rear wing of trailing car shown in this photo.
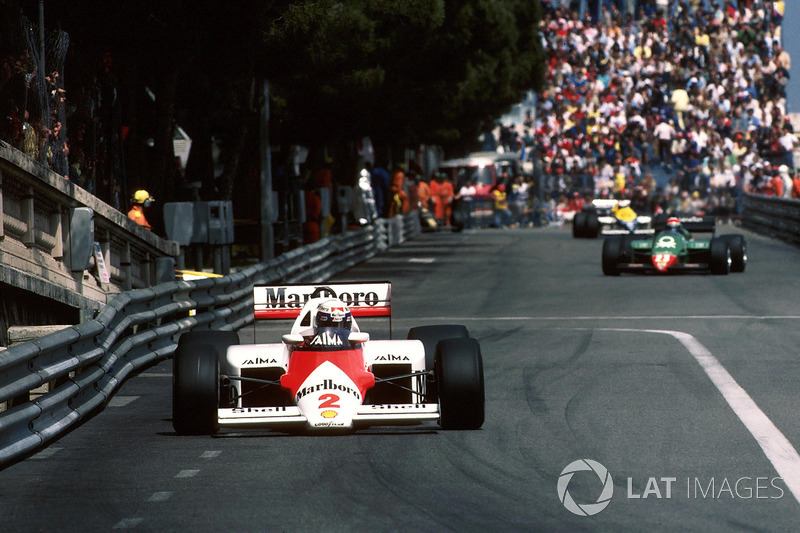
(365, 299)
(695, 224)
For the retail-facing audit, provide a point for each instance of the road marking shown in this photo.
(422, 260)
(210, 454)
(46, 453)
(160, 496)
(187, 473)
(775, 445)
(128, 523)
(121, 401)
(599, 318)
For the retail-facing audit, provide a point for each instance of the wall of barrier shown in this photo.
(775, 217)
(48, 227)
(84, 365)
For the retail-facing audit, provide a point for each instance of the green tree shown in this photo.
(402, 71)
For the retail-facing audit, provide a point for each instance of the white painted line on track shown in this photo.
(160, 496)
(187, 473)
(422, 260)
(210, 454)
(46, 453)
(121, 401)
(775, 445)
(128, 523)
(565, 318)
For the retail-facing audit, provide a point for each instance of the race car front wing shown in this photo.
(376, 414)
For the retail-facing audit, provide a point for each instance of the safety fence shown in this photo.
(775, 217)
(85, 364)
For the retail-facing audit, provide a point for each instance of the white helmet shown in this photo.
(333, 314)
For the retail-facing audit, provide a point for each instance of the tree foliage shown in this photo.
(402, 71)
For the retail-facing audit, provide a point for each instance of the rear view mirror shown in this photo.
(358, 337)
(292, 339)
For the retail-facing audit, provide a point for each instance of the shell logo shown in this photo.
(328, 414)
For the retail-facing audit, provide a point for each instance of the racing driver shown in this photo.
(332, 325)
(673, 224)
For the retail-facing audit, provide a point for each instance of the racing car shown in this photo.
(609, 217)
(672, 249)
(326, 375)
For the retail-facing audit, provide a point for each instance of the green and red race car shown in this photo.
(672, 249)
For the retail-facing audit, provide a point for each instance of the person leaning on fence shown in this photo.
(141, 200)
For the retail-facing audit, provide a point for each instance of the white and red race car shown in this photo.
(326, 379)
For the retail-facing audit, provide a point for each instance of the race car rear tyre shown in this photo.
(579, 225)
(738, 248)
(220, 340)
(720, 257)
(592, 227)
(195, 389)
(612, 248)
(430, 337)
(459, 373)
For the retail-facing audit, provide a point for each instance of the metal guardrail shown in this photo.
(88, 362)
(773, 216)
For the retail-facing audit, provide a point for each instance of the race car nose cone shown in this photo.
(663, 261)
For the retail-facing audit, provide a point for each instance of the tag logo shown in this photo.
(326, 339)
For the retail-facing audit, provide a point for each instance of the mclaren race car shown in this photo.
(673, 249)
(326, 375)
(610, 217)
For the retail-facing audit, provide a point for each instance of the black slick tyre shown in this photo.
(612, 247)
(430, 337)
(592, 226)
(196, 380)
(579, 225)
(738, 248)
(459, 374)
(720, 260)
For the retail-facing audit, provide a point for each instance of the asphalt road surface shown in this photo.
(642, 402)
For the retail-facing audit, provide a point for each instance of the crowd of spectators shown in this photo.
(691, 94)
(75, 132)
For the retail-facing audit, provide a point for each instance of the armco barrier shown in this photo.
(772, 216)
(88, 362)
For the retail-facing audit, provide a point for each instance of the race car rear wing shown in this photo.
(367, 299)
(695, 224)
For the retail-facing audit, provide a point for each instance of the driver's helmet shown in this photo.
(333, 314)
(673, 223)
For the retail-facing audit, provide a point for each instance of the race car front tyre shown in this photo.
(459, 374)
(579, 225)
(220, 340)
(430, 337)
(612, 248)
(720, 257)
(738, 248)
(195, 389)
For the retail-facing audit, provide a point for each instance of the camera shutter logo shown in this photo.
(585, 509)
